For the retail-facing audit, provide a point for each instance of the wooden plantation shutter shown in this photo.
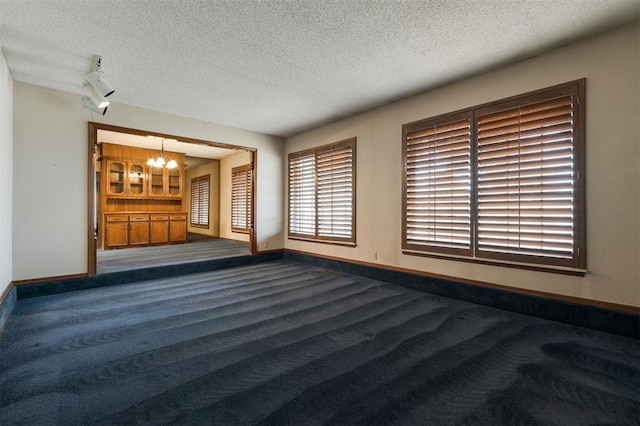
(321, 193)
(438, 185)
(527, 178)
(500, 183)
(302, 194)
(335, 201)
(241, 181)
(200, 201)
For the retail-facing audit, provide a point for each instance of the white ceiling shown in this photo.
(283, 66)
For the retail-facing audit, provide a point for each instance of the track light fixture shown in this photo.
(99, 100)
(97, 89)
(99, 83)
(88, 104)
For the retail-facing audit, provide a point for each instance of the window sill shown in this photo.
(528, 266)
(333, 242)
(197, 225)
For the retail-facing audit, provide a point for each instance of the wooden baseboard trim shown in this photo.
(547, 295)
(49, 279)
(6, 292)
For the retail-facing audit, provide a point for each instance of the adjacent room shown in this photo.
(194, 205)
(307, 212)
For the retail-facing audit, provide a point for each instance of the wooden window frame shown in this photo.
(316, 157)
(198, 224)
(573, 263)
(241, 183)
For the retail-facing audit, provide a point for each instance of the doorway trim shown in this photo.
(92, 152)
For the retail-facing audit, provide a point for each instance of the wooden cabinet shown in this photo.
(178, 227)
(117, 231)
(126, 179)
(140, 205)
(165, 183)
(139, 229)
(175, 188)
(156, 182)
(116, 172)
(142, 229)
(137, 184)
(159, 229)
(126, 173)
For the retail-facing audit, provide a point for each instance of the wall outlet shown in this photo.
(265, 244)
(375, 255)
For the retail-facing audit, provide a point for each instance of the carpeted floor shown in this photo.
(288, 343)
(196, 250)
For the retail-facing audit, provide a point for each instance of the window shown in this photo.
(438, 184)
(321, 193)
(200, 201)
(500, 183)
(241, 183)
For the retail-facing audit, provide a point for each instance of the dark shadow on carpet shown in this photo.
(283, 342)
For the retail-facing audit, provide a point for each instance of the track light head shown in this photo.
(99, 83)
(88, 103)
(99, 100)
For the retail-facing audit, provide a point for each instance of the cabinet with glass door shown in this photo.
(165, 182)
(125, 179)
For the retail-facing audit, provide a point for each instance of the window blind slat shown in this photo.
(525, 110)
(540, 126)
(524, 136)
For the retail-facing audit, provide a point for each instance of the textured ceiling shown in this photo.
(280, 67)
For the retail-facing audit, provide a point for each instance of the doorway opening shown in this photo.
(142, 214)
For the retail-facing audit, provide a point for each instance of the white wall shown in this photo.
(6, 175)
(212, 169)
(226, 164)
(610, 62)
(50, 175)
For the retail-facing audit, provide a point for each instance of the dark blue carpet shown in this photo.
(196, 250)
(283, 342)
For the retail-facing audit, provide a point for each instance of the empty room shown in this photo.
(310, 212)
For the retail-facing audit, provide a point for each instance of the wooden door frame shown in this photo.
(92, 235)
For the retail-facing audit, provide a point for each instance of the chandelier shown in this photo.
(160, 161)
